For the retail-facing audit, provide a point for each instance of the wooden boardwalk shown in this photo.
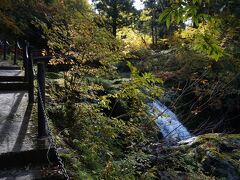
(22, 154)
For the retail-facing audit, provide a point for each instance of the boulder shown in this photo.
(209, 156)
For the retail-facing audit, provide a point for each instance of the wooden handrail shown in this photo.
(4, 50)
(30, 75)
(15, 53)
(31, 57)
(25, 61)
(42, 130)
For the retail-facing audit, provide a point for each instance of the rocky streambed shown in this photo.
(209, 156)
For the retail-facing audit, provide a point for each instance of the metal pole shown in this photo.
(5, 50)
(30, 78)
(15, 54)
(42, 128)
(25, 61)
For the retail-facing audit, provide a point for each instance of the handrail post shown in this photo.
(30, 77)
(5, 49)
(25, 61)
(42, 131)
(15, 54)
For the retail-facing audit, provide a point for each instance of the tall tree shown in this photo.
(118, 13)
(155, 7)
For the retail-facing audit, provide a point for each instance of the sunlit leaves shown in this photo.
(207, 37)
(178, 13)
(133, 39)
(206, 43)
(167, 16)
(204, 39)
(145, 85)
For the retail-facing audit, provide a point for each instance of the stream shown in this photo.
(170, 126)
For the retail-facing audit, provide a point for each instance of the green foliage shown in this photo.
(118, 13)
(147, 82)
(18, 19)
(139, 89)
(106, 147)
(208, 41)
(148, 22)
(208, 157)
(181, 11)
(133, 39)
(103, 146)
(205, 39)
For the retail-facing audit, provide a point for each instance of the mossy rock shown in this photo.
(53, 75)
(210, 156)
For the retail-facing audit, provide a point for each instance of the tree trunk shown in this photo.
(154, 28)
(114, 19)
(114, 28)
(152, 32)
(155, 35)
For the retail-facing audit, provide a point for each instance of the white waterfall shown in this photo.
(171, 128)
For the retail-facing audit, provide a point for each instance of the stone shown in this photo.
(208, 156)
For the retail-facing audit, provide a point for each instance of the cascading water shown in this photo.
(171, 128)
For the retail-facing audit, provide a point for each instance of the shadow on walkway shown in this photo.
(23, 129)
(14, 129)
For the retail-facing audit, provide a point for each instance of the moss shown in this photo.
(53, 75)
(211, 156)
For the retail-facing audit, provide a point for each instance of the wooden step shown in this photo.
(10, 68)
(23, 158)
(32, 172)
(14, 86)
(32, 164)
(11, 78)
(11, 73)
(5, 65)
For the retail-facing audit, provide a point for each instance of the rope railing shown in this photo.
(44, 130)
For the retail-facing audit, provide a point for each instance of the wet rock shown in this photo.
(188, 141)
(209, 156)
(213, 165)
